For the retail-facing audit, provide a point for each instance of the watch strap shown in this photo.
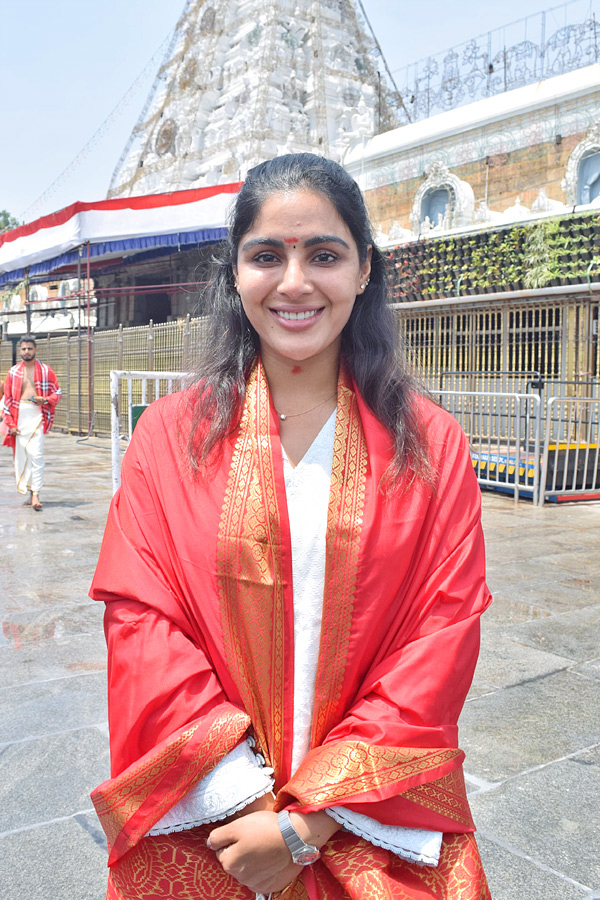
(302, 853)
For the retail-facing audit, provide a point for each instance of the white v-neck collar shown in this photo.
(320, 449)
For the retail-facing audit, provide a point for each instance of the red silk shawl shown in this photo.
(197, 578)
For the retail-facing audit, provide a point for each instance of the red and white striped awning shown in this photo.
(113, 227)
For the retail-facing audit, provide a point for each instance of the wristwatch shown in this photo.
(303, 854)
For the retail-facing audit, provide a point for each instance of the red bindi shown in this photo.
(291, 240)
(296, 370)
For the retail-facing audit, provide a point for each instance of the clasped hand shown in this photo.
(251, 849)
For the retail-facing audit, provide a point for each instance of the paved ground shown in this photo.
(531, 727)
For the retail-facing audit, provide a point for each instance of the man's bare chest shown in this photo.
(28, 388)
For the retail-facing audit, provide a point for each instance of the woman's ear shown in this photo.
(365, 268)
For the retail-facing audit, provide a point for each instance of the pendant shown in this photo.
(282, 416)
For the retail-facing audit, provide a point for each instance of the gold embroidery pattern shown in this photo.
(294, 891)
(446, 796)
(344, 525)
(180, 867)
(360, 869)
(368, 871)
(250, 574)
(118, 800)
(175, 866)
(336, 772)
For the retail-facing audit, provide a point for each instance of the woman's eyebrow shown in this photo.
(262, 242)
(310, 242)
(325, 239)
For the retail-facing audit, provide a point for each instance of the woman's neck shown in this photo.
(296, 386)
(304, 396)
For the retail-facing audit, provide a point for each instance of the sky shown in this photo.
(67, 64)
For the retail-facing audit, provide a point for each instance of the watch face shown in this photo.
(306, 856)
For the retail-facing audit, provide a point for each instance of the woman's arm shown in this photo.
(170, 720)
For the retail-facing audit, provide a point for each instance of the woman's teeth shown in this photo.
(296, 316)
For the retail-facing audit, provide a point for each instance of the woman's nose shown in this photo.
(294, 281)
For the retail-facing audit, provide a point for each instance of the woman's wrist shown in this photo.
(314, 828)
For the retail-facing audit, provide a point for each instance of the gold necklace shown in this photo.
(284, 416)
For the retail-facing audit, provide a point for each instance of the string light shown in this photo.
(31, 212)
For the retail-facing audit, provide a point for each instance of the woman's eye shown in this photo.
(325, 256)
(265, 257)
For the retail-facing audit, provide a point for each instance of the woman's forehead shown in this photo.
(293, 214)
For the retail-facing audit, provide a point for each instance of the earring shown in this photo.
(363, 286)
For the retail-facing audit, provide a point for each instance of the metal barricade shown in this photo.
(497, 380)
(135, 388)
(504, 436)
(571, 458)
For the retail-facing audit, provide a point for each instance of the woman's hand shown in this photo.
(251, 848)
(253, 851)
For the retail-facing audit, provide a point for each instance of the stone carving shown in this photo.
(569, 182)
(398, 234)
(188, 74)
(165, 138)
(252, 85)
(460, 206)
(483, 215)
(516, 213)
(484, 66)
(543, 204)
(207, 22)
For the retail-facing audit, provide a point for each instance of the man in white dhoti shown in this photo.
(31, 393)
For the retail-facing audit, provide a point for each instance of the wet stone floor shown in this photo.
(530, 728)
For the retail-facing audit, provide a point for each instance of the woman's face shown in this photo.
(298, 274)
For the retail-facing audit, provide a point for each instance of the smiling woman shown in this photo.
(298, 294)
(338, 245)
(296, 539)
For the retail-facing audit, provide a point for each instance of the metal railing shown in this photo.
(128, 389)
(529, 448)
(6, 358)
(571, 457)
(504, 436)
(549, 43)
(504, 432)
(508, 382)
(546, 349)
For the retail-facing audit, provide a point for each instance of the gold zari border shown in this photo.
(336, 772)
(119, 801)
(445, 796)
(344, 526)
(250, 573)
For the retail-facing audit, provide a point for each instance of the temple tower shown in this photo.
(246, 80)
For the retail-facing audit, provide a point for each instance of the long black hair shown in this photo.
(372, 352)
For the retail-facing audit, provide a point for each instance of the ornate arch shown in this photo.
(461, 204)
(569, 182)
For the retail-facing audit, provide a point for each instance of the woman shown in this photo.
(293, 573)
